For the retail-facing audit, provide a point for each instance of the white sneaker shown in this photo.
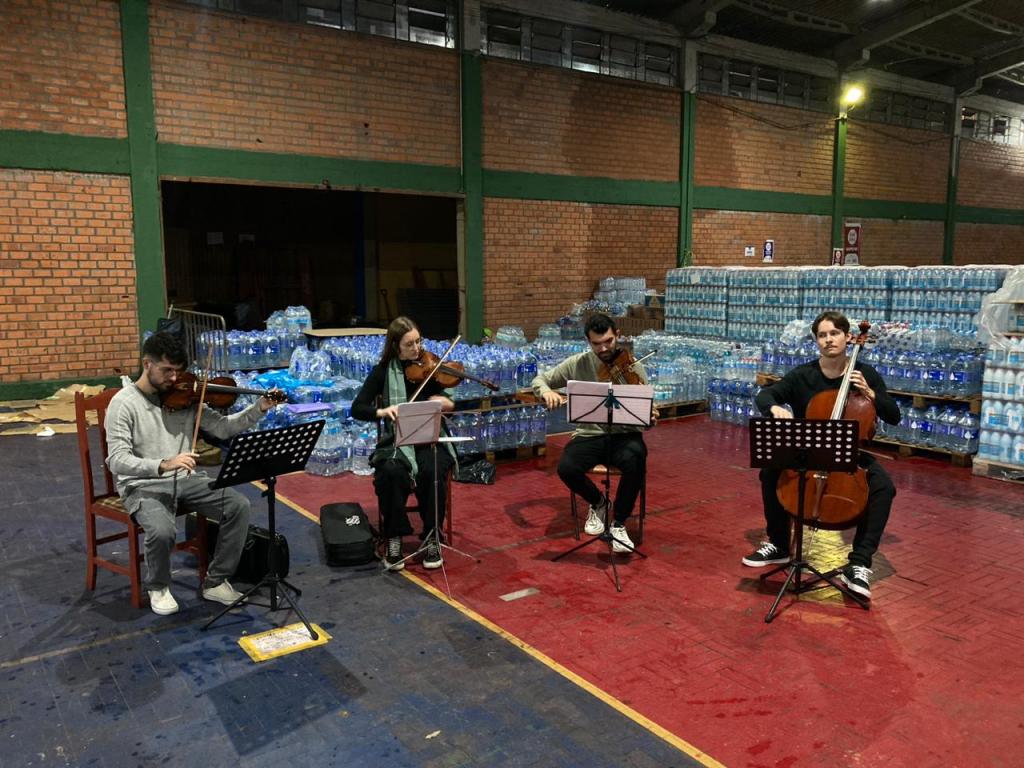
(595, 520)
(162, 601)
(620, 539)
(223, 593)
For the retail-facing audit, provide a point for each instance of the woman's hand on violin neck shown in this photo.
(553, 400)
(391, 412)
(446, 404)
(186, 461)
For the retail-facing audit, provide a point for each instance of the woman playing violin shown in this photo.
(149, 452)
(628, 452)
(398, 471)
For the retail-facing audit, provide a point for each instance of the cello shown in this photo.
(836, 500)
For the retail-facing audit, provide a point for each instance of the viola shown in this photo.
(219, 392)
(837, 499)
(447, 374)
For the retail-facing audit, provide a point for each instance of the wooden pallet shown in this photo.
(997, 470)
(679, 410)
(516, 454)
(906, 449)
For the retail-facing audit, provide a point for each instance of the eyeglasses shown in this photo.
(411, 344)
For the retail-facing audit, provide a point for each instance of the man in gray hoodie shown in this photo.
(149, 452)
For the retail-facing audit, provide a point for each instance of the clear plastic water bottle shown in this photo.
(361, 450)
(916, 424)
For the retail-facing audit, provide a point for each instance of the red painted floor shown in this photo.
(931, 675)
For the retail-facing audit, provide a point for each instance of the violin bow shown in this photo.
(436, 367)
(202, 396)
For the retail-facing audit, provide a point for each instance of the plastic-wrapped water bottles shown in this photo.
(361, 450)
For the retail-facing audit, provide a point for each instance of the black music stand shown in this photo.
(624, 404)
(263, 456)
(804, 445)
(419, 423)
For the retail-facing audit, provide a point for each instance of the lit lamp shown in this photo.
(852, 96)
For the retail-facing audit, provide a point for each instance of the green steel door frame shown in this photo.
(151, 289)
(687, 151)
(949, 231)
(473, 188)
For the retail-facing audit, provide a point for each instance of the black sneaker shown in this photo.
(432, 557)
(393, 557)
(766, 554)
(858, 579)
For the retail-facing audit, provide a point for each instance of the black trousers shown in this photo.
(881, 492)
(392, 483)
(628, 454)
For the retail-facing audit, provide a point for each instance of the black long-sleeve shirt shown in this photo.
(802, 383)
(364, 407)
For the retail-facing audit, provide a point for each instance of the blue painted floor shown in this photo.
(87, 680)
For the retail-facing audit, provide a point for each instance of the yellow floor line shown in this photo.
(681, 744)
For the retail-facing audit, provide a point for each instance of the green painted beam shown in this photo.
(187, 162)
(36, 150)
(37, 390)
(760, 201)
(838, 180)
(151, 288)
(473, 186)
(579, 189)
(949, 227)
(893, 209)
(966, 214)
(687, 153)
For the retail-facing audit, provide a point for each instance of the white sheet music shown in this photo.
(587, 398)
(418, 423)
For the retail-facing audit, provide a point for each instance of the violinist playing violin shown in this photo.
(628, 452)
(150, 453)
(831, 331)
(400, 470)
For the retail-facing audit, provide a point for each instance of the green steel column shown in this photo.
(949, 232)
(145, 182)
(687, 145)
(838, 175)
(472, 187)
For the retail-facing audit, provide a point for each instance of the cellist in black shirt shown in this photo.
(831, 332)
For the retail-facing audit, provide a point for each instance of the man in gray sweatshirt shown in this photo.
(149, 452)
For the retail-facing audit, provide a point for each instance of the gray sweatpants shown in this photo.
(153, 508)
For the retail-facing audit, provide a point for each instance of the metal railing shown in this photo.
(203, 331)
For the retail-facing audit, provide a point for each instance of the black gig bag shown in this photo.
(252, 565)
(349, 539)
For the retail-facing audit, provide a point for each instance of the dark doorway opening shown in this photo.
(352, 258)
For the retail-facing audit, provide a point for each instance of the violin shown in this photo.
(218, 392)
(837, 499)
(621, 369)
(447, 374)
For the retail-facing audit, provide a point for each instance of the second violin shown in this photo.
(448, 374)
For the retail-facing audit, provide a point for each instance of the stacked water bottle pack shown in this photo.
(732, 400)
(696, 301)
(858, 292)
(248, 350)
(942, 297)
(1002, 409)
(762, 302)
(681, 367)
(621, 290)
(927, 362)
(939, 426)
(513, 426)
(344, 446)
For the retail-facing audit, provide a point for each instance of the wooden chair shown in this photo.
(598, 472)
(107, 504)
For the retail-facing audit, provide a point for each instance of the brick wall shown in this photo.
(68, 306)
(222, 80)
(542, 257)
(60, 67)
(988, 244)
(550, 120)
(884, 162)
(905, 243)
(720, 236)
(744, 145)
(991, 175)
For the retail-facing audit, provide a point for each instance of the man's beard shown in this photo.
(608, 356)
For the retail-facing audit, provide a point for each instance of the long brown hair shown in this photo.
(400, 326)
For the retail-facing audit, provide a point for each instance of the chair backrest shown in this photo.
(83, 406)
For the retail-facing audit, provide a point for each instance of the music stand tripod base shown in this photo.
(804, 445)
(605, 404)
(263, 456)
